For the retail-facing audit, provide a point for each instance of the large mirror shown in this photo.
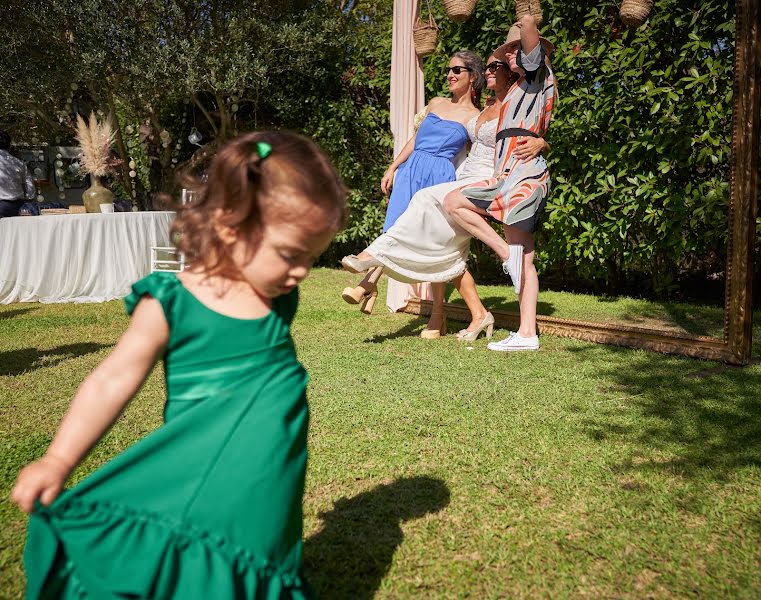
(649, 233)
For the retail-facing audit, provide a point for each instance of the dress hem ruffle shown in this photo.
(395, 271)
(242, 571)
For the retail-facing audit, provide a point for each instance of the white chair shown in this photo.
(167, 258)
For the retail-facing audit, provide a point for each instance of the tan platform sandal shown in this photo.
(366, 292)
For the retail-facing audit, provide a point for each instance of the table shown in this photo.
(77, 258)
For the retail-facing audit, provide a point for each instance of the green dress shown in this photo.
(208, 506)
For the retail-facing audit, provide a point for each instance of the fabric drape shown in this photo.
(407, 98)
(77, 258)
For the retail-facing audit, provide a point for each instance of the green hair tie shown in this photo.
(263, 149)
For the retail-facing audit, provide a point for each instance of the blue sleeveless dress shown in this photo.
(438, 141)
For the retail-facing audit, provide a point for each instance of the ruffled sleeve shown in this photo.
(161, 286)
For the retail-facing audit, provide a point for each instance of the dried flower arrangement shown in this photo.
(95, 142)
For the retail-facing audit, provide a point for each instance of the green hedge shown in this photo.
(640, 142)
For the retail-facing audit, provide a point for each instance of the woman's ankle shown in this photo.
(476, 319)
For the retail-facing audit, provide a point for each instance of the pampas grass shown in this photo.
(95, 141)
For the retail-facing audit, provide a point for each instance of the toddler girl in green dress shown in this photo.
(209, 504)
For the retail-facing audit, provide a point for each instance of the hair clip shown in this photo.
(263, 149)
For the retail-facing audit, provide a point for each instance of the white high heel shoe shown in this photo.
(354, 264)
(487, 324)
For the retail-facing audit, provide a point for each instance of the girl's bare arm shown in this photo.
(96, 405)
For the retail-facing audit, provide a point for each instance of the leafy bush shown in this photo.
(640, 139)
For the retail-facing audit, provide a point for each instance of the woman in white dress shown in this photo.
(425, 244)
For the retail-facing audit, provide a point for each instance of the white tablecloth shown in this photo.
(77, 258)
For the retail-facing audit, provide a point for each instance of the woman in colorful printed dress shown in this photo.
(516, 194)
(427, 158)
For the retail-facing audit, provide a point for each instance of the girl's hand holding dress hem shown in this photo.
(97, 404)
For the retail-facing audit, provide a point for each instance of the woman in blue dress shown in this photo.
(427, 158)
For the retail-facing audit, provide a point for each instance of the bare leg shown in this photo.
(466, 285)
(529, 295)
(471, 219)
(437, 310)
(366, 287)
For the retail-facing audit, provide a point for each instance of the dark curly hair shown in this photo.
(240, 189)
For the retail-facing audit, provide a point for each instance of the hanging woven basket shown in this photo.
(529, 7)
(635, 12)
(459, 10)
(425, 34)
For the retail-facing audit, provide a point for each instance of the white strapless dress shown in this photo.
(425, 244)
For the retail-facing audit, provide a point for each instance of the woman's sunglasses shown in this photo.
(492, 67)
(456, 70)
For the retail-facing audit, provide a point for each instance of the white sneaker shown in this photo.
(515, 343)
(513, 266)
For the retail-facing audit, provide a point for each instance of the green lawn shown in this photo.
(439, 471)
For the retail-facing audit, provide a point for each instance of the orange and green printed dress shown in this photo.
(517, 192)
(208, 506)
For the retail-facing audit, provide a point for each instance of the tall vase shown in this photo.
(96, 195)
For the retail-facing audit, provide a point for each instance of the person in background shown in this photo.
(16, 185)
(207, 506)
(427, 159)
(515, 196)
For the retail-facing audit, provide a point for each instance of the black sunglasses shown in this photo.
(494, 66)
(456, 70)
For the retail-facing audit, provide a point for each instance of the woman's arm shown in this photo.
(96, 405)
(388, 177)
(529, 33)
(530, 147)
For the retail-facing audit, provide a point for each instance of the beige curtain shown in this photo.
(407, 99)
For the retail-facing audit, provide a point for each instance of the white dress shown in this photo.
(425, 244)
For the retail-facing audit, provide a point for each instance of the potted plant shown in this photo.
(95, 141)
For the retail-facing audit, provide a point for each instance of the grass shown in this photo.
(441, 472)
(677, 317)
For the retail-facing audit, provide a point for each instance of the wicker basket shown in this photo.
(536, 10)
(425, 34)
(459, 10)
(635, 12)
(529, 7)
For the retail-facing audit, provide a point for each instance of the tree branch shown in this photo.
(206, 114)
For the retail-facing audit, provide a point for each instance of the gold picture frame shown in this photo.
(735, 346)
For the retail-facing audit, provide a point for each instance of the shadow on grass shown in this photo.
(350, 556)
(411, 329)
(14, 312)
(509, 302)
(15, 362)
(680, 417)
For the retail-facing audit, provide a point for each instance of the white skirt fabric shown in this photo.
(425, 244)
